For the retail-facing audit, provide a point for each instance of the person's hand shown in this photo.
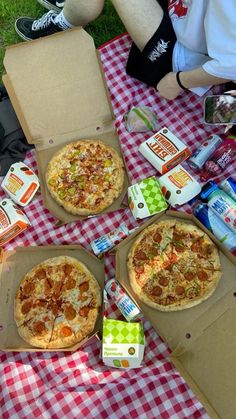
(168, 86)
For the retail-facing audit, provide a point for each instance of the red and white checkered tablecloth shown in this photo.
(72, 385)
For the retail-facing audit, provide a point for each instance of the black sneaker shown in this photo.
(56, 5)
(29, 29)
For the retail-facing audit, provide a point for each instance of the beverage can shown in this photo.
(204, 152)
(126, 306)
(215, 225)
(109, 240)
(229, 186)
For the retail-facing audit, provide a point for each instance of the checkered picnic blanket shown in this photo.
(72, 385)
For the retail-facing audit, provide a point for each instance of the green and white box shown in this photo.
(145, 198)
(122, 344)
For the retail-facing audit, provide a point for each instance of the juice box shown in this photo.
(20, 183)
(145, 198)
(164, 150)
(12, 221)
(122, 344)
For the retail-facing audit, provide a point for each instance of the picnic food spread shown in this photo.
(57, 303)
(173, 266)
(85, 177)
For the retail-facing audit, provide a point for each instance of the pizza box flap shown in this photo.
(172, 326)
(14, 266)
(57, 87)
(207, 363)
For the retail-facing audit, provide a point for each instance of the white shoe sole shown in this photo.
(49, 6)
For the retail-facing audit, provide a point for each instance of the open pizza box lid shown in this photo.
(202, 338)
(57, 88)
(14, 265)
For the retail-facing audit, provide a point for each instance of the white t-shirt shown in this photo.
(206, 36)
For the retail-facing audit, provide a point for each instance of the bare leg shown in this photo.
(140, 17)
(81, 12)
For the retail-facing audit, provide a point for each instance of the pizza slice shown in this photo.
(37, 329)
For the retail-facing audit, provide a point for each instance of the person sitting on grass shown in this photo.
(177, 44)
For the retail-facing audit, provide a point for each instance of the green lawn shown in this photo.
(104, 28)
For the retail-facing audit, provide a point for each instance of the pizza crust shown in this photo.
(58, 162)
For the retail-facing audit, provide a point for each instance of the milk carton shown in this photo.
(12, 221)
(20, 183)
(164, 150)
(122, 344)
(145, 198)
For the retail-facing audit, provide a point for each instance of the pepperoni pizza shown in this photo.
(173, 266)
(57, 303)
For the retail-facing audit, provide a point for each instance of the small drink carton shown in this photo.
(12, 221)
(145, 198)
(20, 183)
(122, 344)
(164, 150)
(178, 186)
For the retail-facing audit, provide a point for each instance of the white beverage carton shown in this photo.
(145, 198)
(12, 221)
(178, 186)
(164, 150)
(20, 183)
(122, 344)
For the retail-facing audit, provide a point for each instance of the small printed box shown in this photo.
(145, 198)
(20, 183)
(164, 150)
(178, 186)
(122, 344)
(12, 221)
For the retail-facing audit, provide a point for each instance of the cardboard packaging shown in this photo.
(145, 198)
(202, 338)
(178, 186)
(122, 344)
(14, 265)
(20, 183)
(164, 150)
(63, 100)
(12, 221)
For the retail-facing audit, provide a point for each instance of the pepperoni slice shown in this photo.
(57, 288)
(178, 236)
(28, 288)
(84, 311)
(84, 287)
(195, 247)
(47, 288)
(41, 273)
(180, 248)
(180, 290)
(157, 237)
(67, 269)
(42, 303)
(157, 291)
(39, 327)
(69, 284)
(189, 276)
(140, 255)
(164, 281)
(26, 307)
(66, 331)
(139, 270)
(70, 312)
(203, 275)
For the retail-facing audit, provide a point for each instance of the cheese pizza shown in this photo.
(173, 265)
(57, 303)
(85, 177)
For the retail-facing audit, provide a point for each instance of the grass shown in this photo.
(107, 26)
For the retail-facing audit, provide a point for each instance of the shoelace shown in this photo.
(44, 21)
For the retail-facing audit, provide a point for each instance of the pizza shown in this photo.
(57, 303)
(173, 265)
(85, 177)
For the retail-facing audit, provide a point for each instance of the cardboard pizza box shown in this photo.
(57, 88)
(202, 338)
(14, 265)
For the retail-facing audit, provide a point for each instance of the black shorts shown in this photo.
(155, 61)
